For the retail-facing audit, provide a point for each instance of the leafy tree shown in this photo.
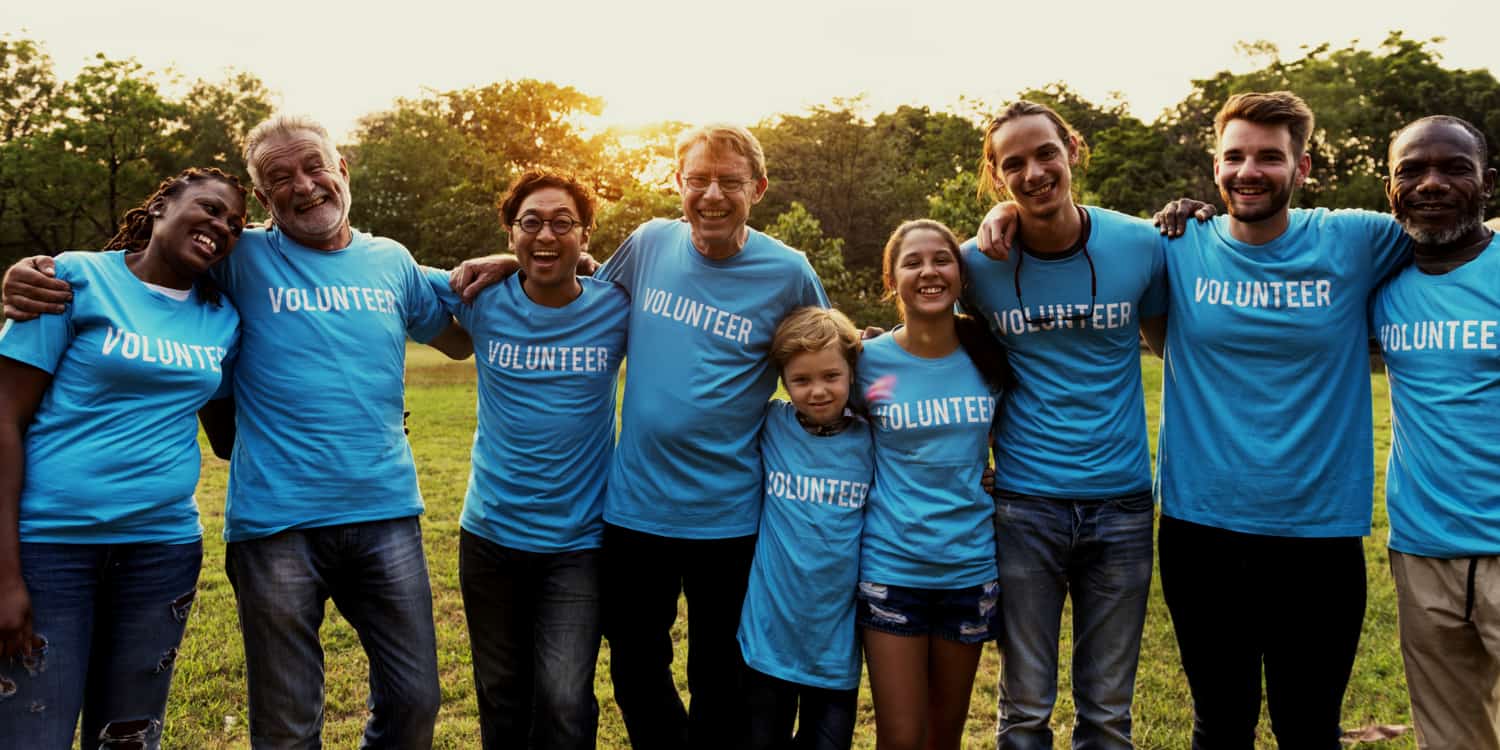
(618, 218)
(27, 92)
(852, 292)
(418, 179)
(216, 117)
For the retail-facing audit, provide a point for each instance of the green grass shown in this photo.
(208, 705)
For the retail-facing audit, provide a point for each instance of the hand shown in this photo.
(998, 230)
(16, 638)
(31, 288)
(476, 274)
(1172, 219)
(870, 332)
(586, 264)
(987, 480)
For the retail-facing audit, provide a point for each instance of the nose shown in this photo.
(714, 190)
(1432, 181)
(302, 182)
(1034, 171)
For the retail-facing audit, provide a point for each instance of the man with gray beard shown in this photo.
(323, 500)
(1438, 322)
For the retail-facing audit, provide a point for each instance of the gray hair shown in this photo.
(278, 126)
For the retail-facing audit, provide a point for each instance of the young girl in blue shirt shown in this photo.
(928, 592)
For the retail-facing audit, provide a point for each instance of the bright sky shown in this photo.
(700, 60)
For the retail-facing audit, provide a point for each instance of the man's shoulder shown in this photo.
(609, 295)
(765, 248)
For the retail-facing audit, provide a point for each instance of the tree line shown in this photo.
(75, 154)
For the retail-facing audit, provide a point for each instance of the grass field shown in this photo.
(208, 706)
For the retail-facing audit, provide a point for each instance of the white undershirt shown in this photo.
(180, 295)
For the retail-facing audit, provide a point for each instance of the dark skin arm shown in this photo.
(21, 390)
(1154, 331)
(453, 341)
(475, 274)
(31, 288)
(217, 417)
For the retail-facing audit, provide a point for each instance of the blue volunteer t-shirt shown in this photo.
(319, 390)
(798, 621)
(546, 414)
(697, 379)
(1265, 417)
(1440, 335)
(112, 450)
(1074, 424)
(929, 523)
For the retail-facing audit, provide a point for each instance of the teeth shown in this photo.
(312, 204)
(929, 290)
(204, 240)
(713, 214)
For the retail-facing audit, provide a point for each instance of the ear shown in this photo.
(344, 169)
(264, 201)
(1390, 193)
(760, 190)
(1073, 156)
(157, 208)
(1489, 183)
(1304, 167)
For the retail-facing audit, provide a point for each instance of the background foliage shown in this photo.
(74, 155)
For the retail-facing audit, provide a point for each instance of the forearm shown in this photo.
(453, 341)
(12, 478)
(217, 417)
(1154, 331)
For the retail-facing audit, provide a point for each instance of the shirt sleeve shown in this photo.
(812, 292)
(1380, 237)
(425, 315)
(437, 280)
(41, 342)
(1154, 298)
(621, 267)
(226, 369)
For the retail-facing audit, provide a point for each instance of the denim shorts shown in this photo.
(967, 615)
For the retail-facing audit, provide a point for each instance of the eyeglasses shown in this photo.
(1072, 317)
(561, 225)
(726, 184)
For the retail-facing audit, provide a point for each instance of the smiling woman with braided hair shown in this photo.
(100, 543)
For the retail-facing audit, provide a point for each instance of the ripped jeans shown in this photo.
(112, 617)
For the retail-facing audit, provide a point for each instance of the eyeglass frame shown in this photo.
(740, 185)
(1073, 317)
(550, 223)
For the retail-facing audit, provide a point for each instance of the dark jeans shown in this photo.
(643, 576)
(1098, 552)
(112, 617)
(824, 718)
(376, 574)
(1243, 601)
(534, 630)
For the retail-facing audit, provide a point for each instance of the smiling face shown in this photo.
(1257, 169)
(1438, 186)
(818, 383)
(549, 259)
(306, 189)
(1034, 161)
(717, 215)
(926, 274)
(196, 227)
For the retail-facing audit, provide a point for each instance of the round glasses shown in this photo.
(561, 225)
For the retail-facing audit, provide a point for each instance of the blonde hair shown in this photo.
(725, 137)
(813, 329)
(283, 125)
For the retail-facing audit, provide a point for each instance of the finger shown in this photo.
(458, 278)
(1205, 213)
(18, 315)
(472, 289)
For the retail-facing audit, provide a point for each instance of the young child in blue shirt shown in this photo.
(797, 627)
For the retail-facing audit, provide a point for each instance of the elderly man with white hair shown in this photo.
(323, 499)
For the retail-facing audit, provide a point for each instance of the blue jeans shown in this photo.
(534, 629)
(1098, 552)
(112, 617)
(376, 574)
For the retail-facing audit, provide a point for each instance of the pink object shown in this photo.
(883, 389)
